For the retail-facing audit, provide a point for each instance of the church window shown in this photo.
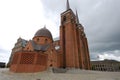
(72, 20)
(46, 40)
(37, 39)
(64, 18)
(51, 65)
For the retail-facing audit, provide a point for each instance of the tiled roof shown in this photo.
(43, 32)
(40, 47)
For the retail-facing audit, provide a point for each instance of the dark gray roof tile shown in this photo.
(40, 47)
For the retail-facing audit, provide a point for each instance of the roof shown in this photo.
(56, 39)
(43, 32)
(105, 61)
(20, 43)
(39, 47)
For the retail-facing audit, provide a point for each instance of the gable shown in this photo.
(29, 47)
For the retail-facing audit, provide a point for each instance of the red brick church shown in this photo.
(42, 52)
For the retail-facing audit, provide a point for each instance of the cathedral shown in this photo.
(42, 52)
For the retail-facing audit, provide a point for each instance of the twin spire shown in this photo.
(68, 7)
(77, 19)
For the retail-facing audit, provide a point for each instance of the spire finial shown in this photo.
(77, 19)
(19, 37)
(67, 5)
(44, 26)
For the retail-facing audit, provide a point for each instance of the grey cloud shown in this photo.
(100, 18)
(110, 55)
(102, 26)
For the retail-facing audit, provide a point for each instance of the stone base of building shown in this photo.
(24, 68)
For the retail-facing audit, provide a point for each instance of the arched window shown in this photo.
(38, 39)
(46, 40)
(64, 18)
(51, 65)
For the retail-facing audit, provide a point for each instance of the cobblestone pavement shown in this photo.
(5, 74)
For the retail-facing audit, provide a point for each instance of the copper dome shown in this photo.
(43, 32)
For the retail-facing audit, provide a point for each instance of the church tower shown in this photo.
(73, 42)
(41, 53)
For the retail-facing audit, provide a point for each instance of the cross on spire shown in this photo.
(67, 5)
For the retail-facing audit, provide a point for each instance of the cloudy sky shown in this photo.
(100, 18)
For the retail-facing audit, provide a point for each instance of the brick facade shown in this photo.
(70, 51)
(19, 46)
(73, 42)
(29, 62)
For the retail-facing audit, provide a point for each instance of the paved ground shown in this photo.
(69, 75)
